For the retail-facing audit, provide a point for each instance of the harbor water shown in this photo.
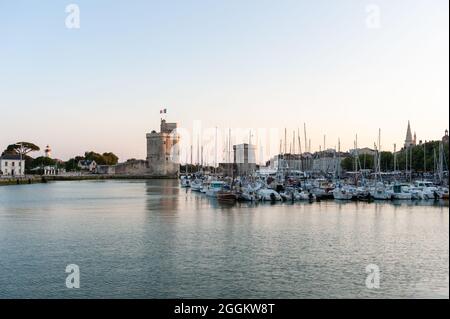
(153, 239)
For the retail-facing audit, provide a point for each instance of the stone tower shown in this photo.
(445, 137)
(163, 151)
(409, 138)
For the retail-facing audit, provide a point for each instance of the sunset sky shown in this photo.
(237, 63)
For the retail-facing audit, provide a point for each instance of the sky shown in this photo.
(342, 67)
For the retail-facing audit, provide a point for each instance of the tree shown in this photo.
(72, 164)
(110, 158)
(42, 161)
(420, 158)
(92, 156)
(102, 159)
(21, 148)
(386, 161)
(347, 164)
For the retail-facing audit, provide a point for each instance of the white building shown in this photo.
(87, 165)
(12, 165)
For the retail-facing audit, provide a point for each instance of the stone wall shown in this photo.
(134, 167)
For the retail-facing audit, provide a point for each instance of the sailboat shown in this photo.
(380, 192)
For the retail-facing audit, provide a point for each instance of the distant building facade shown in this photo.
(87, 165)
(325, 161)
(362, 151)
(12, 165)
(244, 161)
(244, 158)
(296, 162)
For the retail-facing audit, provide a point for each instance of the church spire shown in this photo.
(409, 139)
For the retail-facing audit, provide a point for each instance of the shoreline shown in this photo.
(35, 179)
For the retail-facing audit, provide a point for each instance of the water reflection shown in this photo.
(152, 239)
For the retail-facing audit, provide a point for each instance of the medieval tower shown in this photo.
(163, 151)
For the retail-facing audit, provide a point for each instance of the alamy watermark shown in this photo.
(373, 277)
(373, 18)
(73, 18)
(73, 279)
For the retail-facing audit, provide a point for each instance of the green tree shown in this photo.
(386, 161)
(42, 161)
(102, 159)
(72, 164)
(93, 156)
(110, 158)
(421, 156)
(347, 164)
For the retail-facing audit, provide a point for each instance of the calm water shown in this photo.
(150, 239)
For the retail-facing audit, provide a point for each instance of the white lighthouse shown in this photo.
(48, 151)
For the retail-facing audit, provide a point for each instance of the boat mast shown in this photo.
(339, 159)
(379, 152)
(434, 163)
(395, 157)
(300, 150)
(215, 153)
(192, 155)
(201, 160)
(229, 145)
(406, 163)
(441, 162)
(410, 164)
(306, 140)
(424, 158)
(293, 142)
(198, 153)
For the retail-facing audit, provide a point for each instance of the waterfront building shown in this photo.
(87, 165)
(12, 165)
(325, 161)
(298, 162)
(244, 161)
(244, 158)
(163, 151)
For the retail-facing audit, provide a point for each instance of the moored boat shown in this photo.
(226, 196)
(196, 185)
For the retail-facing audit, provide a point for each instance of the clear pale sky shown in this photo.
(234, 63)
